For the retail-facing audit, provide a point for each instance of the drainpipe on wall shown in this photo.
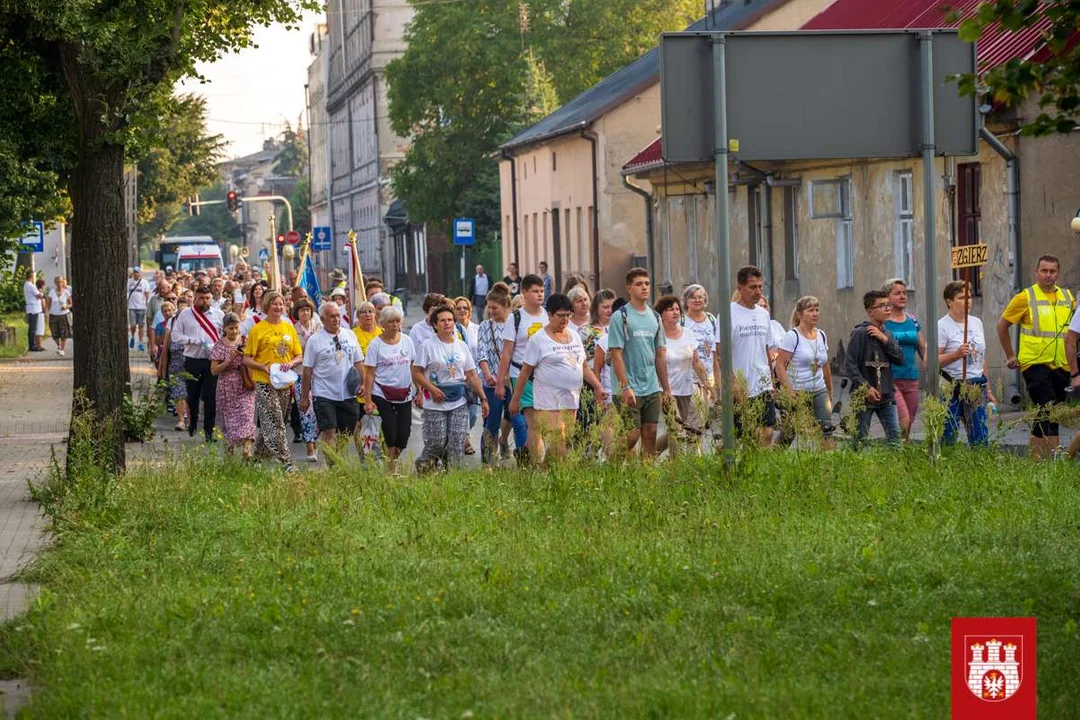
(591, 137)
(649, 244)
(766, 228)
(1012, 180)
(513, 202)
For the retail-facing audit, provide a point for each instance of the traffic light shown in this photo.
(232, 201)
(192, 205)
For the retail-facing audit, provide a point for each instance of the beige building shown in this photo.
(562, 194)
(835, 229)
(364, 36)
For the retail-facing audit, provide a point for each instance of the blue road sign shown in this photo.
(464, 231)
(34, 238)
(264, 255)
(321, 239)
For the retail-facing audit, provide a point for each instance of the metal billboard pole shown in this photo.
(926, 45)
(723, 245)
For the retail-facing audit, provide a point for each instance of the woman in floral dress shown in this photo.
(307, 323)
(235, 404)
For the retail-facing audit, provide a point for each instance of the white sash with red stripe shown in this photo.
(205, 324)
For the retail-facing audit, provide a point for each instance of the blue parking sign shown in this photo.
(321, 239)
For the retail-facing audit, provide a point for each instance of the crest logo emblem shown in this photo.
(993, 668)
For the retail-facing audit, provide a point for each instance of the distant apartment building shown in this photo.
(318, 130)
(253, 176)
(363, 36)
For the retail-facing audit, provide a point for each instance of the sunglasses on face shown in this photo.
(886, 306)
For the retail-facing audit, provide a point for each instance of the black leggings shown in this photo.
(396, 421)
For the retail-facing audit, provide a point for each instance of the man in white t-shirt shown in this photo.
(138, 294)
(34, 309)
(751, 342)
(522, 324)
(328, 357)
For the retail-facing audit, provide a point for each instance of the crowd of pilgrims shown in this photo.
(544, 370)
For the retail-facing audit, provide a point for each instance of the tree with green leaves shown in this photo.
(119, 62)
(292, 161)
(179, 162)
(475, 73)
(1055, 81)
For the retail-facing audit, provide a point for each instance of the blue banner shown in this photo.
(309, 281)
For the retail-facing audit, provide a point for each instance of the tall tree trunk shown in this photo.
(99, 280)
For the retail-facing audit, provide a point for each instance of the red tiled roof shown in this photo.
(996, 46)
(648, 157)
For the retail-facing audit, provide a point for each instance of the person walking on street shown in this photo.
(512, 279)
(971, 393)
(235, 402)
(478, 290)
(162, 291)
(548, 282)
(489, 347)
(34, 303)
(388, 385)
(1043, 312)
(304, 425)
(332, 356)
(639, 361)
(59, 302)
(686, 375)
(871, 354)
(555, 361)
(271, 351)
(442, 368)
(522, 325)
(907, 331)
(171, 363)
(138, 294)
(802, 366)
(198, 329)
(752, 344)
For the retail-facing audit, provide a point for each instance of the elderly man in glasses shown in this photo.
(333, 370)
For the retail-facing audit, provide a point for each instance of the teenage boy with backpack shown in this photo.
(638, 358)
(522, 324)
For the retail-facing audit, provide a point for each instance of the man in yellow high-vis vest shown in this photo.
(1043, 312)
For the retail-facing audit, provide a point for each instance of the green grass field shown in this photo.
(808, 586)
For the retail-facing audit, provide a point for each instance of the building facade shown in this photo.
(363, 36)
(563, 199)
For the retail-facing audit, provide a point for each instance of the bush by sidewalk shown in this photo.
(819, 586)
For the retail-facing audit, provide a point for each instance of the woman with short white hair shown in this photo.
(388, 384)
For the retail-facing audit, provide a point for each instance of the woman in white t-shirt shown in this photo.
(686, 373)
(442, 367)
(702, 325)
(388, 385)
(802, 365)
(555, 362)
(59, 302)
(464, 309)
(971, 393)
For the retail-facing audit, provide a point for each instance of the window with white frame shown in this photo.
(845, 242)
(905, 223)
(832, 199)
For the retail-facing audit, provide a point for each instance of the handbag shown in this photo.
(395, 394)
(245, 378)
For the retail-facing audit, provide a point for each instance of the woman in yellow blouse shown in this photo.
(272, 341)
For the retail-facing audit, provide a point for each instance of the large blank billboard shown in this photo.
(814, 95)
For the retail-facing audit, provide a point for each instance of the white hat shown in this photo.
(337, 291)
(281, 379)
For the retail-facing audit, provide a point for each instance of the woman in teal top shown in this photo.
(908, 332)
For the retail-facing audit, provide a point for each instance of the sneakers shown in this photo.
(312, 458)
(142, 348)
(289, 468)
(131, 343)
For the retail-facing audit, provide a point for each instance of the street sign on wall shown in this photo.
(814, 95)
(464, 231)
